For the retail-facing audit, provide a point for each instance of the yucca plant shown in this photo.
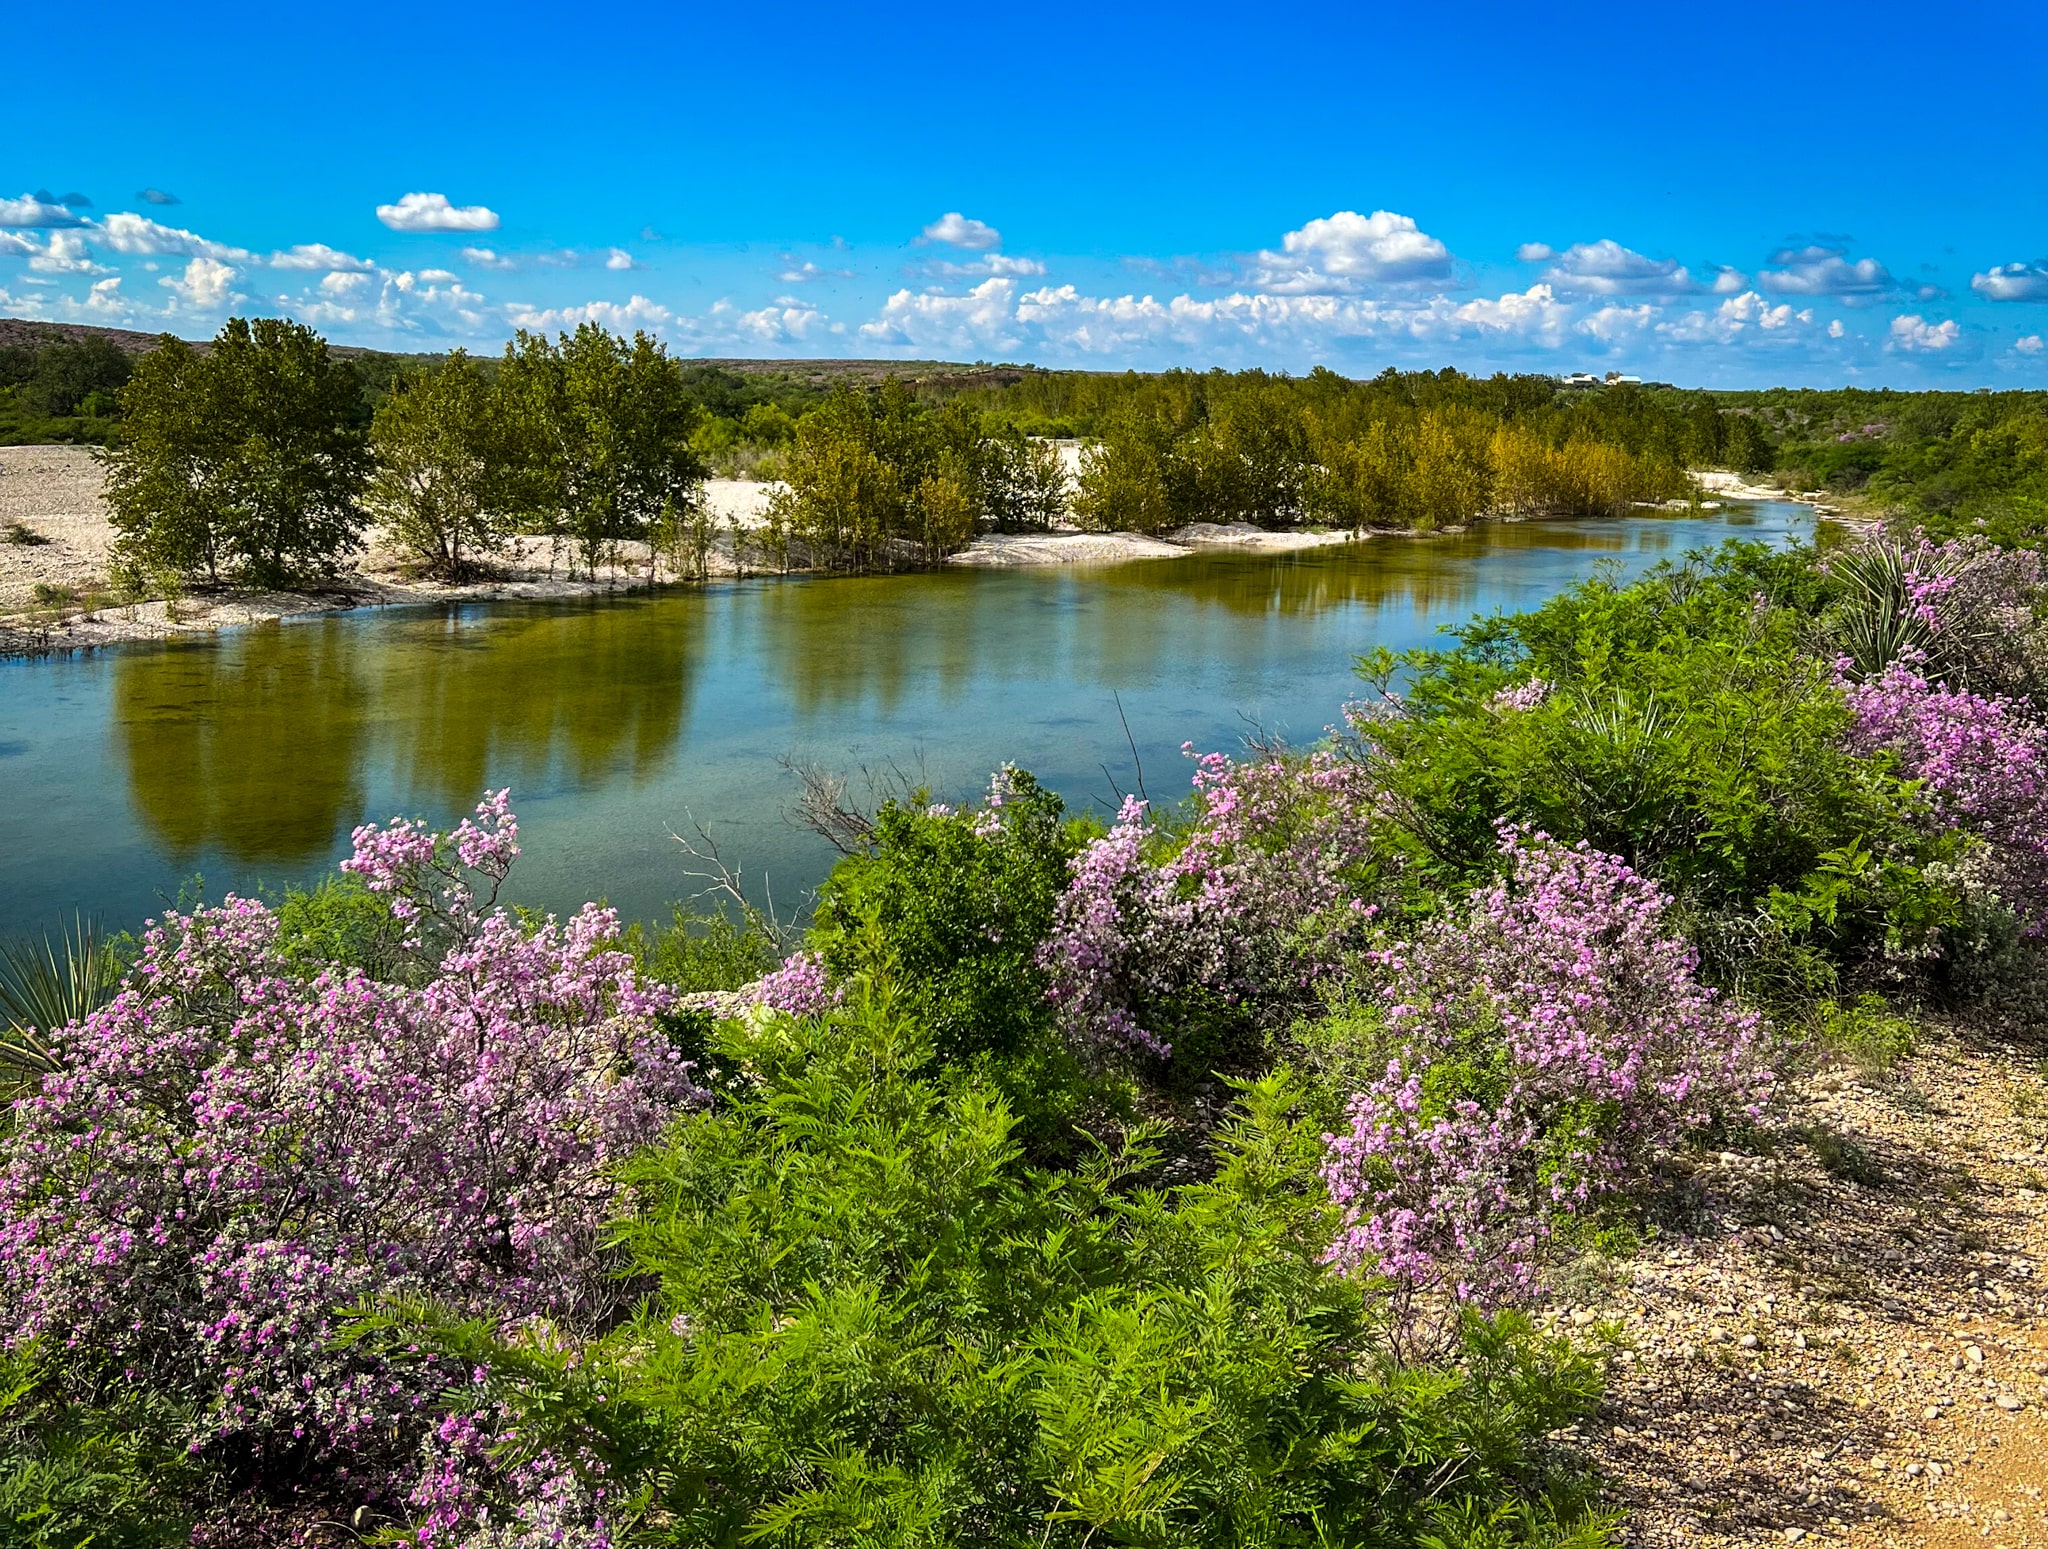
(47, 985)
(1876, 619)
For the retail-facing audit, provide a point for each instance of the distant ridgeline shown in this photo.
(1403, 449)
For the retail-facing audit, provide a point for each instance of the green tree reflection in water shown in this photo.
(255, 745)
(565, 693)
(249, 745)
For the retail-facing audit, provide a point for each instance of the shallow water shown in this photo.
(247, 757)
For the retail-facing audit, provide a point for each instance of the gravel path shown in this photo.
(1849, 1340)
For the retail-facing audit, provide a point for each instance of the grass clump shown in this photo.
(1865, 1034)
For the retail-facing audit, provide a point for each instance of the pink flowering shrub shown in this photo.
(1547, 1045)
(480, 1489)
(233, 1152)
(800, 987)
(1968, 612)
(1983, 764)
(1246, 913)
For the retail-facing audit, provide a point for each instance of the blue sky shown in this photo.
(1809, 194)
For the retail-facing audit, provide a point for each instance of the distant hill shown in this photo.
(21, 331)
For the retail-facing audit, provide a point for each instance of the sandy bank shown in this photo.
(55, 592)
(1732, 486)
(1068, 546)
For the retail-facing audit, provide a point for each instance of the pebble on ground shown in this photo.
(1848, 1342)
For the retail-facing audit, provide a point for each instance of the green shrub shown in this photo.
(76, 1476)
(1684, 724)
(954, 906)
(877, 1324)
(340, 923)
(702, 951)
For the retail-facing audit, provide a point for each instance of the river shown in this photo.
(246, 758)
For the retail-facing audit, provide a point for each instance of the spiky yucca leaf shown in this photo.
(47, 985)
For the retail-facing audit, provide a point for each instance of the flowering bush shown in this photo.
(1253, 906)
(1965, 610)
(234, 1151)
(1982, 762)
(1547, 1045)
(799, 987)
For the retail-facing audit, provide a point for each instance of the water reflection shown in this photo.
(256, 745)
(250, 746)
(250, 755)
(579, 694)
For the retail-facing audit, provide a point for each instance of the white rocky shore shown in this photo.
(55, 541)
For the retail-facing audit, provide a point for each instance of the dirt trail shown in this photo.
(1850, 1342)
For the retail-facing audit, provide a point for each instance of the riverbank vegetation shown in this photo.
(1191, 1178)
(596, 443)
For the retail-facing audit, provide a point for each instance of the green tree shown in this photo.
(296, 461)
(872, 471)
(246, 456)
(66, 376)
(452, 468)
(1127, 477)
(168, 490)
(610, 426)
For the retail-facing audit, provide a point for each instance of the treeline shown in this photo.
(250, 460)
(1954, 461)
(1264, 455)
(875, 477)
(1695, 429)
(258, 459)
(67, 390)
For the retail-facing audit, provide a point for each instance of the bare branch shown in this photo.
(727, 881)
(821, 806)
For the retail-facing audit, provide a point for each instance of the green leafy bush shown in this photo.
(1684, 724)
(702, 951)
(877, 1324)
(955, 904)
(73, 1476)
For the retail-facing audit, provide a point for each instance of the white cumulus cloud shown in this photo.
(485, 258)
(1346, 250)
(1913, 332)
(318, 255)
(957, 230)
(1611, 324)
(1606, 268)
(32, 211)
(619, 258)
(619, 316)
(65, 253)
(982, 319)
(137, 235)
(2013, 282)
(207, 283)
(106, 299)
(1747, 315)
(1824, 271)
(2030, 345)
(787, 322)
(433, 212)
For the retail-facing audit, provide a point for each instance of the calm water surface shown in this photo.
(247, 757)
